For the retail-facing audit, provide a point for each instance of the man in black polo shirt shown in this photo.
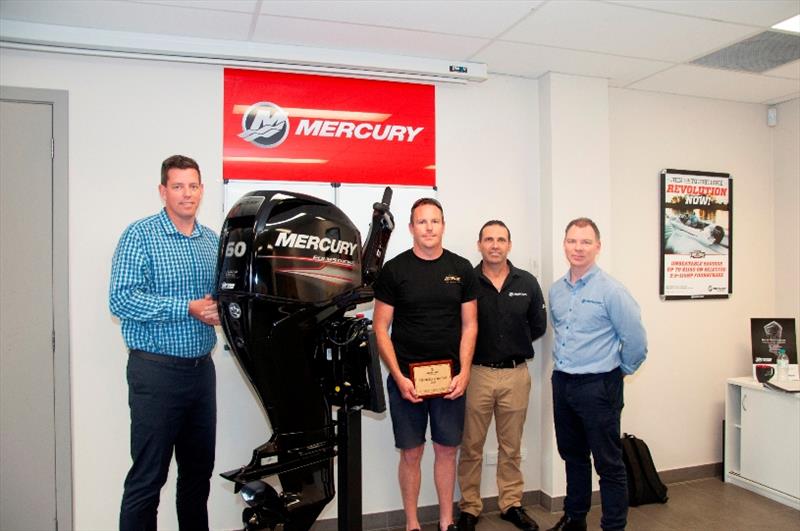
(511, 315)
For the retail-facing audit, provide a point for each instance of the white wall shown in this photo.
(488, 168)
(125, 117)
(676, 401)
(575, 183)
(785, 147)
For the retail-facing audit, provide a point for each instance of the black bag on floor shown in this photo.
(644, 485)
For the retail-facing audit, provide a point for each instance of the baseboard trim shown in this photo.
(679, 475)
(675, 475)
(430, 513)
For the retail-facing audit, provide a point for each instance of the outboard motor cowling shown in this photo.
(290, 266)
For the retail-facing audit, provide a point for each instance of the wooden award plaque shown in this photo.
(431, 378)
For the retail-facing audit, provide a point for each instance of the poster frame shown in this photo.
(696, 293)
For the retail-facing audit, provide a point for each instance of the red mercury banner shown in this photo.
(299, 127)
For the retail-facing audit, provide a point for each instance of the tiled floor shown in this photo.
(701, 505)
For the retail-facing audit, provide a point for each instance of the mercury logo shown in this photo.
(235, 310)
(359, 131)
(308, 241)
(265, 125)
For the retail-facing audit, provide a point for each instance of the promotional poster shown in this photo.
(696, 234)
(300, 127)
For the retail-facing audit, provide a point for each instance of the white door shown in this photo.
(27, 396)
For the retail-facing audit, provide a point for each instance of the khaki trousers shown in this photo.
(504, 394)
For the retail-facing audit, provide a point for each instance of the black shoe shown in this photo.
(568, 524)
(467, 521)
(452, 527)
(518, 517)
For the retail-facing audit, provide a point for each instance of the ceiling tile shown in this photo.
(477, 18)
(281, 30)
(240, 6)
(721, 84)
(762, 13)
(532, 61)
(631, 32)
(117, 15)
(759, 53)
(789, 70)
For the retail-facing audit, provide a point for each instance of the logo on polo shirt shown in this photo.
(517, 294)
(452, 279)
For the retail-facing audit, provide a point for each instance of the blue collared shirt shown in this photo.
(597, 325)
(155, 272)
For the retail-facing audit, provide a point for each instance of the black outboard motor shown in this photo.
(289, 267)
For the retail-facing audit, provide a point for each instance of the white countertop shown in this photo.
(751, 383)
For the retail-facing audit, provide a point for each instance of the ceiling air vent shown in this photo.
(759, 53)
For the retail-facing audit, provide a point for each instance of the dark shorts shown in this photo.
(410, 420)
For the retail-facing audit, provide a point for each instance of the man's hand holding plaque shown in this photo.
(432, 378)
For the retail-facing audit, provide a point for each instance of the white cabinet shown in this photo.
(762, 440)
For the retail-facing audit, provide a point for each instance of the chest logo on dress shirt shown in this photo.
(591, 301)
(452, 279)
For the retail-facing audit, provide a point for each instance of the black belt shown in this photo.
(506, 364)
(171, 360)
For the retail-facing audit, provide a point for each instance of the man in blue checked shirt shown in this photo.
(162, 277)
(599, 338)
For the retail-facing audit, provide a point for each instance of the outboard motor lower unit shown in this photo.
(290, 266)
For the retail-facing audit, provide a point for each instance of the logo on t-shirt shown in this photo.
(452, 279)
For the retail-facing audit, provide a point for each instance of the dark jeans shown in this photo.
(587, 410)
(173, 406)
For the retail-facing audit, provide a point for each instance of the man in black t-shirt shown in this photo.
(428, 296)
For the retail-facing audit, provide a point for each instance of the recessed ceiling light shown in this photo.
(790, 24)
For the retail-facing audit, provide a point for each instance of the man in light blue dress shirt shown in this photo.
(162, 278)
(599, 338)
